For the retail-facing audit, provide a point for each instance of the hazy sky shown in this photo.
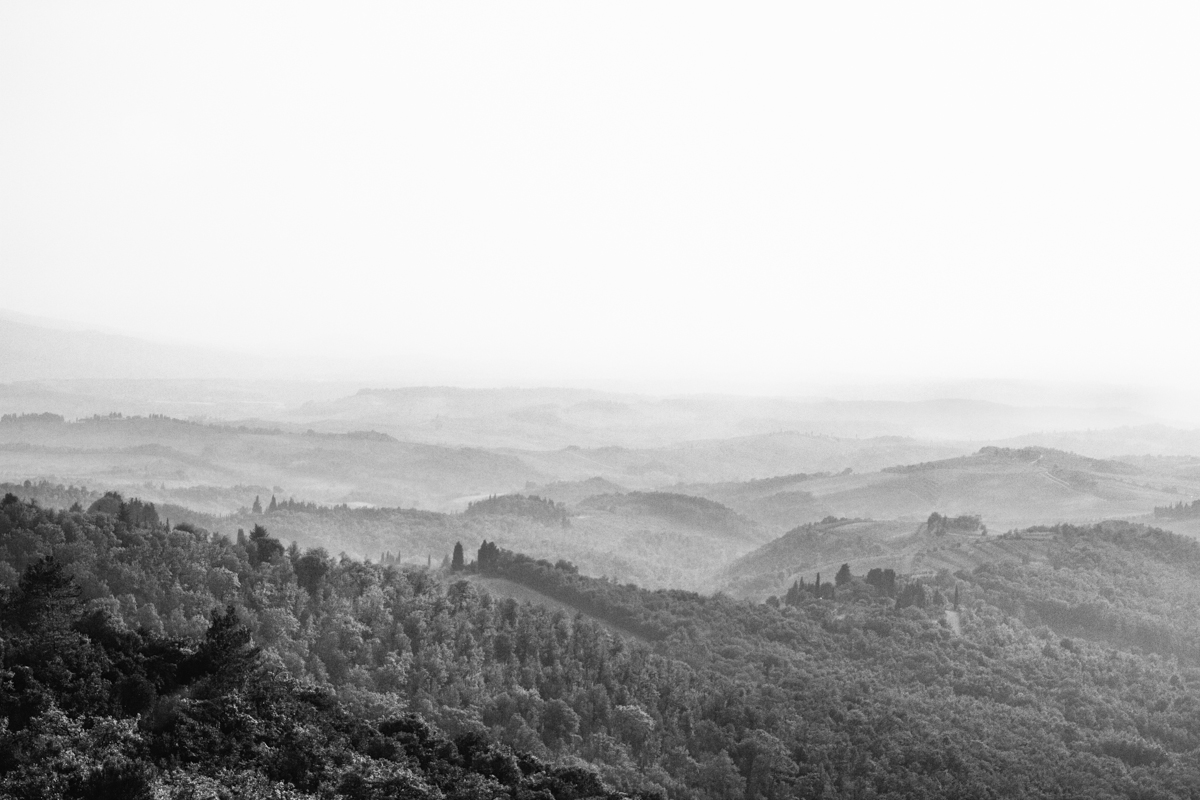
(735, 192)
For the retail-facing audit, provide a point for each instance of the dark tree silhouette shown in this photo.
(45, 599)
(262, 548)
(311, 568)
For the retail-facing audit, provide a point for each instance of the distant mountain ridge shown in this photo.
(37, 353)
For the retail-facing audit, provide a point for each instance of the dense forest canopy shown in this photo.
(184, 660)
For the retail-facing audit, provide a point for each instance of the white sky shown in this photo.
(632, 191)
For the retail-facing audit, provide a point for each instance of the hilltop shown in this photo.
(572, 492)
(939, 545)
(820, 547)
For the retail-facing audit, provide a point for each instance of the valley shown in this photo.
(565, 575)
(690, 515)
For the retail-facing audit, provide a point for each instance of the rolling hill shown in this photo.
(572, 492)
(678, 545)
(819, 547)
(881, 519)
(552, 418)
(161, 457)
(1009, 487)
(735, 459)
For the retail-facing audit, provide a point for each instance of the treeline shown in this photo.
(842, 697)
(132, 513)
(941, 524)
(518, 505)
(877, 584)
(780, 481)
(49, 493)
(1180, 510)
(298, 506)
(118, 417)
(45, 418)
(604, 600)
(1027, 455)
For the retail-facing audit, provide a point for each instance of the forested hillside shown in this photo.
(1074, 677)
(623, 541)
(681, 544)
(809, 549)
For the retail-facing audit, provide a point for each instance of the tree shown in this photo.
(311, 568)
(137, 514)
(883, 579)
(456, 563)
(720, 778)
(226, 656)
(257, 507)
(770, 769)
(633, 725)
(46, 599)
(843, 575)
(110, 504)
(559, 723)
(488, 556)
(912, 595)
(262, 548)
(271, 508)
